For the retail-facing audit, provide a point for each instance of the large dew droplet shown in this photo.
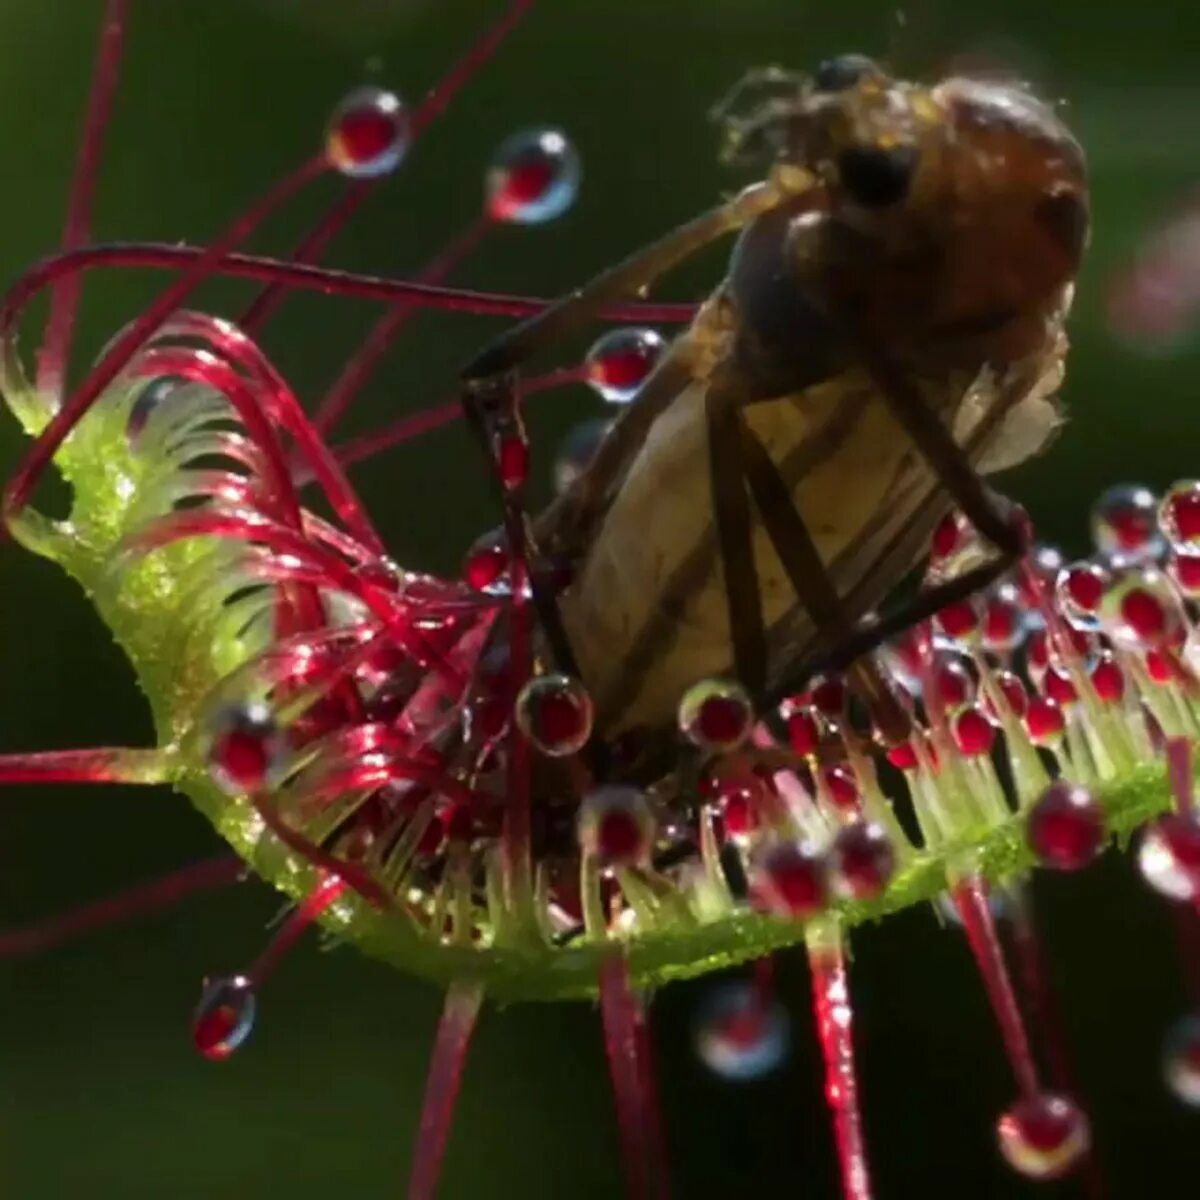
(245, 748)
(534, 177)
(616, 825)
(1043, 1136)
(739, 1033)
(368, 134)
(619, 361)
(1125, 523)
(1169, 856)
(555, 713)
(716, 715)
(224, 1017)
(1065, 827)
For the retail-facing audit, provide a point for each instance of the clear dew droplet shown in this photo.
(616, 825)
(1169, 856)
(224, 1017)
(1043, 1136)
(577, 450)
(1181, 1059)
(555, 713)
(716, 715)
(740, 1034)
(245, 747)
(1179, 515)
(533, 177)
(1125, 523)
(368, 134)
(619, 361)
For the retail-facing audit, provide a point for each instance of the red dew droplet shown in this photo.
(615, 825)
(1108, 680)
(803, 728)
(1169, 855)
(1057, 684)
(740, 810)
(1184, 568)
(1082, 586)
(534, 177)
(1125, 519)
(861, 860)
(245, 748)
(487, 561)
(842, 788)
(958, 621)
(903, 756)
(618, 837)
(950, 531)
(619, 362)
(512, 460)
(555, 713)
(1037, 653)
(1144, 616)
(1179, 514)
(790, 879)
(224, 1016)
(1044, 1136)
(1065, 828)
(828, 696)
(1044, 721)
(974, 733)
(1160, 666)
(1040, 569)
(716, 715)
(368, 134)
(954, 684)
(1013, 690)
(1003, 623)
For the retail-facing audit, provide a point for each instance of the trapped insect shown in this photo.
(604, 758)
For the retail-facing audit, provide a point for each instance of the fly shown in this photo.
(890, 328)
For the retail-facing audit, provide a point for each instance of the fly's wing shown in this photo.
(1003, 419)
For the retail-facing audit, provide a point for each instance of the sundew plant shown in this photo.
(419, 733)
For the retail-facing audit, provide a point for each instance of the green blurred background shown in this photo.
(101, 1095)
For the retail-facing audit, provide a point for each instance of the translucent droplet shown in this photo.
(716, 715)
(555, 714)
(146, 403)
(1141, 609)
(245, 748)
(577, 450)
(1169, 855)
(1065, 827)
(740, 1034)
(1125, 523)
(368, 134)
(1079, 591)
(534, 177)
(1043, 1136)
(790, 879)
(616, 825)
(1004, 620)
(1181, 1059)
(955, 547)
(619, 361)
(224, 1016)
(861, 861)
(1179, 515)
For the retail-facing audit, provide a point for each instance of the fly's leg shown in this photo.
(948, 459)
(735, 532)
(490, 393)
(809, 577)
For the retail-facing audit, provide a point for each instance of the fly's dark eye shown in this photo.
(875, 176)
(838, 74)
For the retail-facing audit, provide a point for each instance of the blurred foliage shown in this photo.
(101, 1094)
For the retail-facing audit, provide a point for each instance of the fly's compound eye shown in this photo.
(843, 72)
(875, 176)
